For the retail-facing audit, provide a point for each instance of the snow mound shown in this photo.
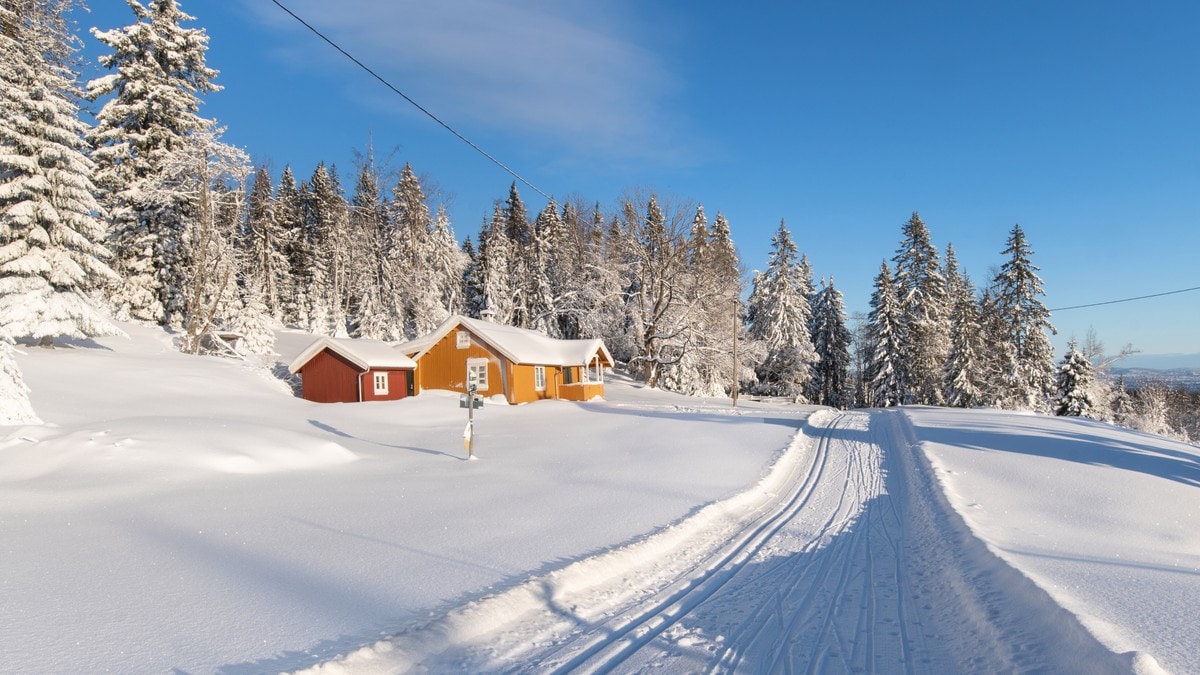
(138, 446)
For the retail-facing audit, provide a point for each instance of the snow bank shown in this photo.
(1102, 518)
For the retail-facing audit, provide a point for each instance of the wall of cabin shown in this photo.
(329, 378)
(444, 366)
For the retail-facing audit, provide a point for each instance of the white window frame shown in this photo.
(462, 339)
(480, 366)
(381, 383)
(539, 378)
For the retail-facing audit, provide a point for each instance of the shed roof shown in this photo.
(366, 354)
(519, 345)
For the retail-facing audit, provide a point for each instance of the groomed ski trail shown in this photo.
(845, 557)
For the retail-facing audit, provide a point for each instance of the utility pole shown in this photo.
(737, 325)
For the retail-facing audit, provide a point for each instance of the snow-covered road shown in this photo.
(846, 557)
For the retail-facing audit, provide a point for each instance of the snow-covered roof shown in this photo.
(366, 354)
(518, 345)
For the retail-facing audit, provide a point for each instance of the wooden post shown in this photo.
(469, 432)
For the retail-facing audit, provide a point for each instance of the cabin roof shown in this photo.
(365, 354)
(518, 345)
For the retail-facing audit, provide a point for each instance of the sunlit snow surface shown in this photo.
(188, 513)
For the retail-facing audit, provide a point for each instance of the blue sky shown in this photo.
(1078, 120)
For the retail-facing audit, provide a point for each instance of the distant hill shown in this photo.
(1160, 362)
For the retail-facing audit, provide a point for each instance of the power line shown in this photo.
(1140, 297)
(418, 106)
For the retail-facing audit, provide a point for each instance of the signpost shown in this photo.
(471, 404)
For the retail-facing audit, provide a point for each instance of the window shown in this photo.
(539, 378)
(462, 339)
(568, 375)
(381, 383)
(477, 369)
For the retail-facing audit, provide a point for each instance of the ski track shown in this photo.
(845, 558)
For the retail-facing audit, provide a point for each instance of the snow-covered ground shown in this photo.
(187, 513)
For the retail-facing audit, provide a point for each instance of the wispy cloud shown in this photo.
(567, 74)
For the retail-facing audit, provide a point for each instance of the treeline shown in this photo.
(148, 215)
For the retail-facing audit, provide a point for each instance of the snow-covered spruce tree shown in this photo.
(153, 100)
(264, 244)
(1074, 383)
(376, 311)
(519, 233)
(831, 340)
(603, 301)
(50, 252)
(1121, 405)
(543, 284)
(295, 282)
(921, 289)
(409, 252)
(15, 407)
(964, 375)
(885, 378)
(448, 263)
(780, 318)
(723, 307)
(999, 359)
(1025, 323)
(572, 273)
(472, 279)
(495, 259)
(326, 226)
(253, 320)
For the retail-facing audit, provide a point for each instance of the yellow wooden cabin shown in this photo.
(521, 365)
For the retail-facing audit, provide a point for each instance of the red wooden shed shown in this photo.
(347, 371)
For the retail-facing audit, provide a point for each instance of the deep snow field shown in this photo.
(189, 514)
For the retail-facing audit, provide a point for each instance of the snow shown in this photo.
(188, 513)
(518, 345)
(365, 354)
(1105, 519)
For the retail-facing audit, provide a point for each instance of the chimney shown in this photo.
(487, 315)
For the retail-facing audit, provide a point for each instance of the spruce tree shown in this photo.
(474, 298)
(51, 257)
(325, 229)
(1025, 325)
(376, 311)
(447, 262)
(519, 234)
(153, 99)
(265, 245)
(410, 253)
(964, 374)
(496, 263)
(921, 289)
(1073, 383)
(885, 377)
(543, 284)
(295, 273)
(780, 319)
(831, 384)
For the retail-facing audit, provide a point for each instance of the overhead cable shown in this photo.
(418, 106)
(1140, 297)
